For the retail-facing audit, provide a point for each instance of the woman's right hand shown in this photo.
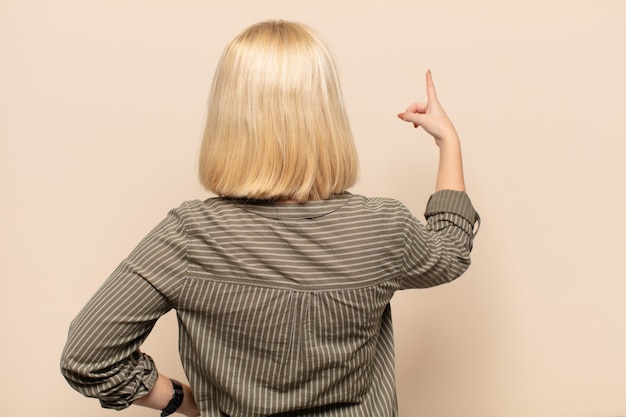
(433, 119)
(430, 115)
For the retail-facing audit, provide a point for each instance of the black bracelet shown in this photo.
(176, 401)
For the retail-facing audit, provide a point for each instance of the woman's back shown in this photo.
(283, 306)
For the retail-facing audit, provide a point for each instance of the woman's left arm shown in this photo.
(101, 358)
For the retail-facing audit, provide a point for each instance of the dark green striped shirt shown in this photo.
(283, 308)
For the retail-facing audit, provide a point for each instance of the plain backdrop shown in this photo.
(102, 106)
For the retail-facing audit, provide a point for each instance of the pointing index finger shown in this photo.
(430, 87)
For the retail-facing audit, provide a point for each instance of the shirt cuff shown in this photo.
(139, 378)
(451, 201)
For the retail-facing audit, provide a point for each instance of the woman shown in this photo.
(282, 283)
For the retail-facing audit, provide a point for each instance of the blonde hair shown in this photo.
(276, 127)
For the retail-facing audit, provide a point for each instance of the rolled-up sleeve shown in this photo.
(439, 252)
(101, 357)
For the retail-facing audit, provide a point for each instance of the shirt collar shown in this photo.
(289, 210)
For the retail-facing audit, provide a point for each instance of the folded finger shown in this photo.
(417, 108)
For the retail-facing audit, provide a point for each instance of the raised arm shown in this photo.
(433, 119)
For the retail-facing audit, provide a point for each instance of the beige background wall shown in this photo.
(101, 109)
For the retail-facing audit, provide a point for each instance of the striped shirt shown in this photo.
(283, 308)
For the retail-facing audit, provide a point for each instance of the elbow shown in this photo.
(459, 267)
(456, 257)
(80, 374)
(453, 266)
(115, 383)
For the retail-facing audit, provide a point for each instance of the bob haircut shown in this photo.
(276, 127)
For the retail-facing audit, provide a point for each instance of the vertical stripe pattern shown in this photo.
(283, 308)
